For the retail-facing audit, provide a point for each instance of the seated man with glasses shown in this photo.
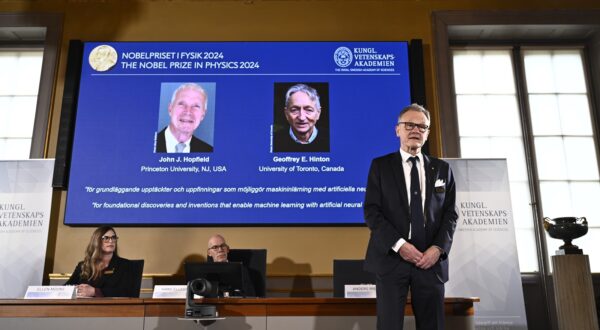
(102, 273)
(217, 248)
(218, 251)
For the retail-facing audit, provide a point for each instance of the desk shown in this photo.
(240, 314)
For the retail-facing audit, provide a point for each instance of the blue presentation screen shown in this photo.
(232, 133)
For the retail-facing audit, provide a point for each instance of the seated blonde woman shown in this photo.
(102, 273)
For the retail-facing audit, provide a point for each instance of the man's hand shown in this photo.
(410, 253)
(430, 257)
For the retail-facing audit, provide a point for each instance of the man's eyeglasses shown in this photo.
(410, 126)
(217, 247)
(109, 238)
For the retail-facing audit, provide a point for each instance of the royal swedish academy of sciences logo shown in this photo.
(343, 56)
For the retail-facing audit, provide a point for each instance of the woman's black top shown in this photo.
(116, 280)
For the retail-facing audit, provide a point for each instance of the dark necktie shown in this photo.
(417, 220)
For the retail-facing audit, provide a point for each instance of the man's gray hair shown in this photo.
(414, 107)
(193, 86)
(311, 92)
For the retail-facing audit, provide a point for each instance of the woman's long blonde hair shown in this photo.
(92, 263)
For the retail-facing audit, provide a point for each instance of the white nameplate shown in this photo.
(359, 291)
(50, 292)
(169, 291)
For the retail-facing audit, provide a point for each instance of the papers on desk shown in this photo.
(359, 291)
(50, 292)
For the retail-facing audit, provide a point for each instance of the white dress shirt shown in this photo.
(171, 142)
(407, 167)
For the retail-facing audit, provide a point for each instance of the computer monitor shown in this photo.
(226, 278)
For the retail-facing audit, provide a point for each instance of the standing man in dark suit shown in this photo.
(410, 210)
(186, 111)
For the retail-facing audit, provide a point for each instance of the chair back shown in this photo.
(349, 272)
(137, 269)
(255, 261)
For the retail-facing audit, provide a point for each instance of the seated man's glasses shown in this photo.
(217, 247)
(410, 126)
(109, 238)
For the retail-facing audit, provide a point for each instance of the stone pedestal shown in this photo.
(574, 292)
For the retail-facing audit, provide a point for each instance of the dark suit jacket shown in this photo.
(282, 142)
(387, 212)
(116, 281)
(196, 145)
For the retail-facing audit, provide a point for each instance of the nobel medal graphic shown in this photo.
(103, 58)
